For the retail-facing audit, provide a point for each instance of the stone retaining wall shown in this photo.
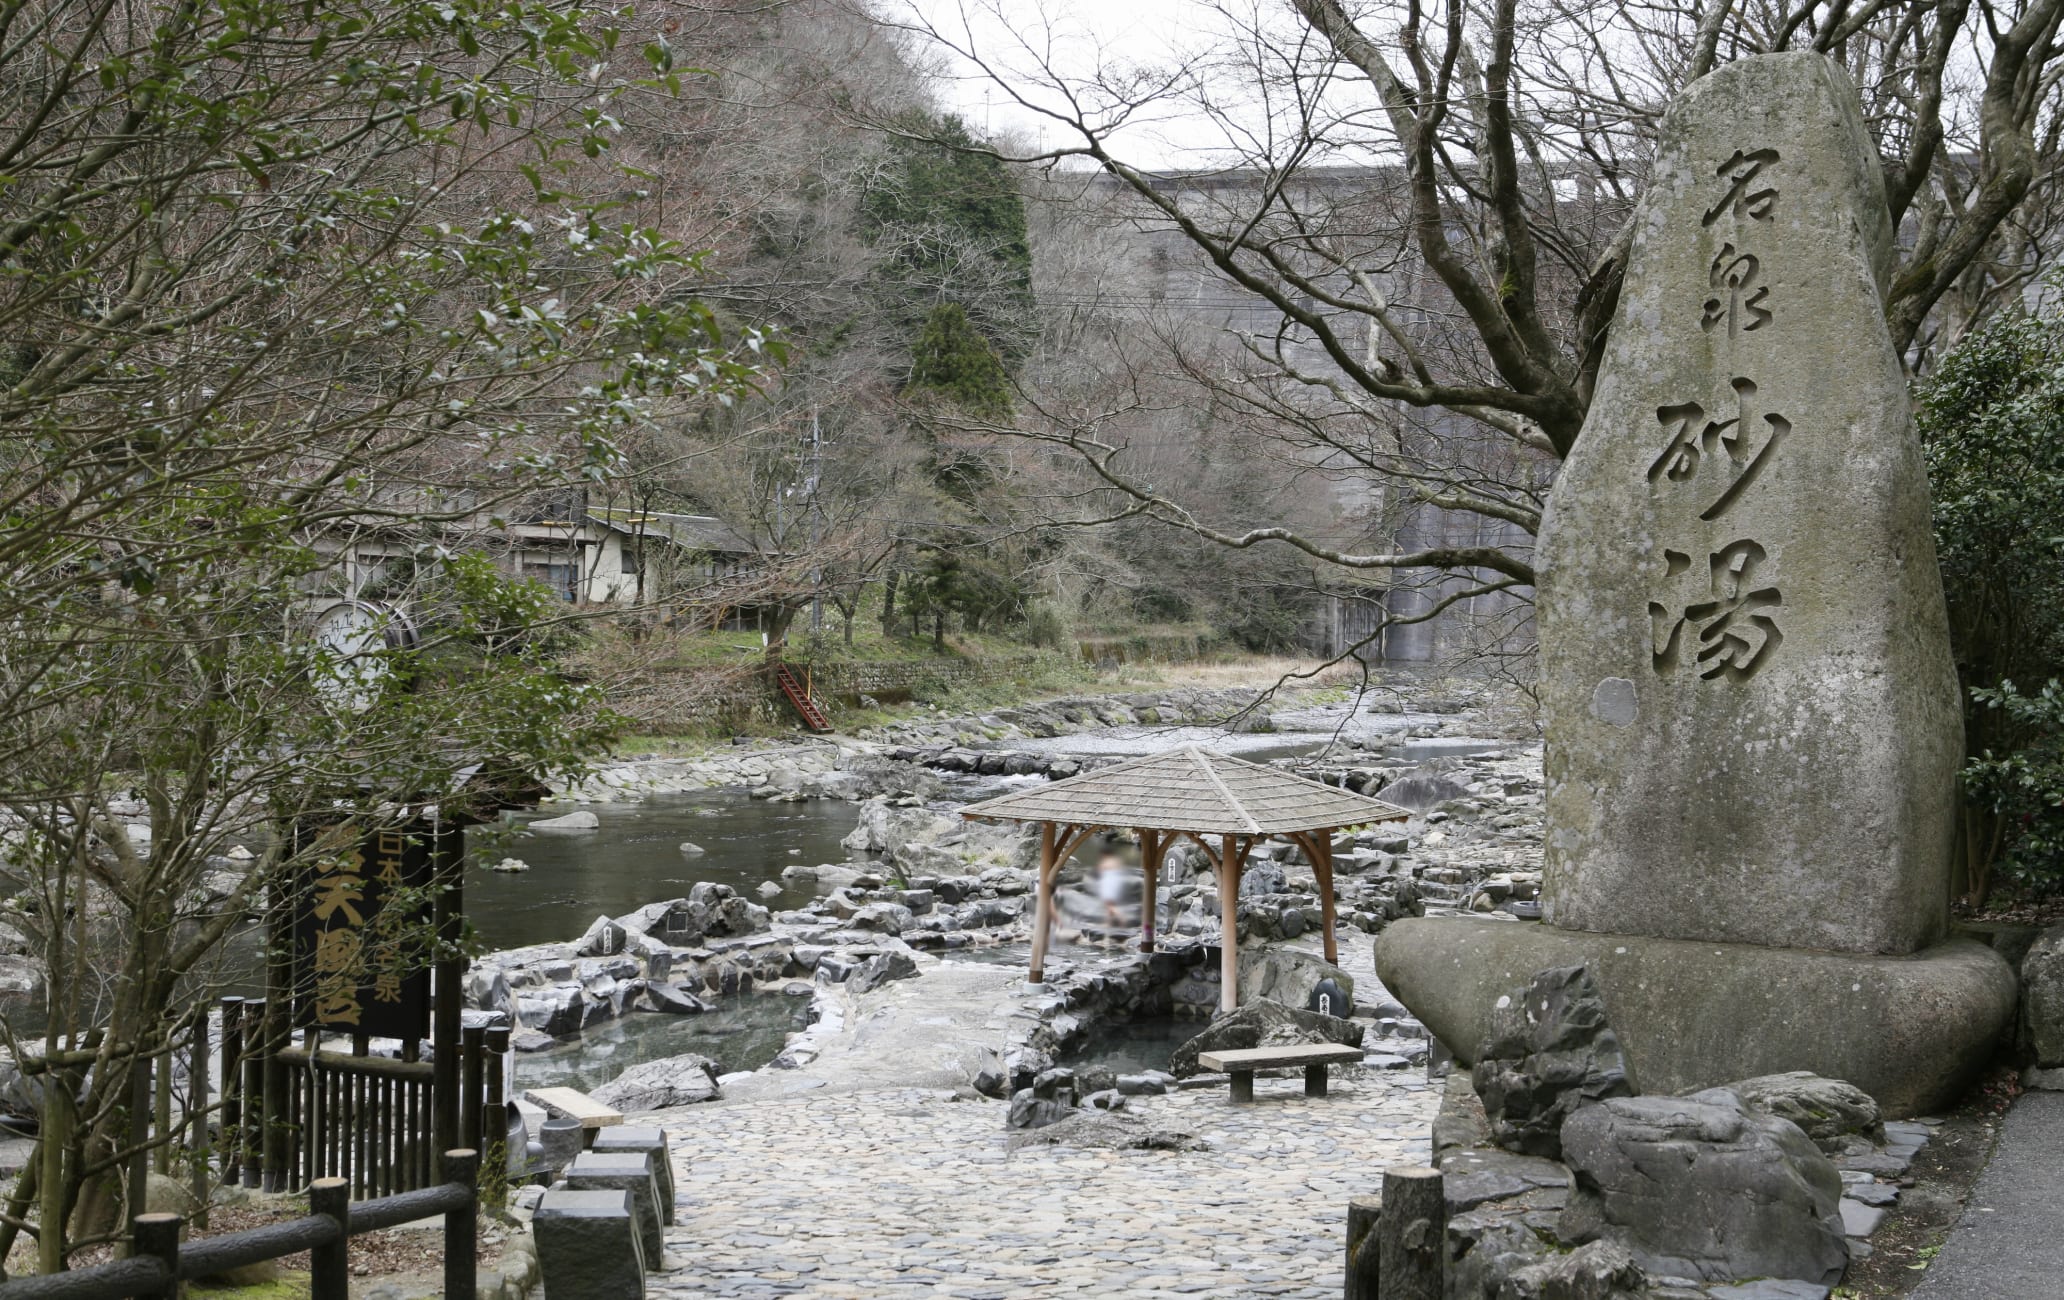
(673, 699)
(923, 679)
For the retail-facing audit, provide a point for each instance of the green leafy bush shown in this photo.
(1992, 425)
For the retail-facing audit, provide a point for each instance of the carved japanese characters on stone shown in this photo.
(1727, 627)
(1752, 722)
(1741, 172)
(1737, 299)
(1713, 457)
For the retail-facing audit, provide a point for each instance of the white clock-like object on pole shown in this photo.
(356, 634)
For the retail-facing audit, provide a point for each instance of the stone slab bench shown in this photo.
(573, 1104)
(652, 1141)
(589, 1246)
(1241, 1063)
(624, 1171)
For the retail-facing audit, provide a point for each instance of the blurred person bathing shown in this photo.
(1112, 882)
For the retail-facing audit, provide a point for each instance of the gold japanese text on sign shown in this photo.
(358, 962)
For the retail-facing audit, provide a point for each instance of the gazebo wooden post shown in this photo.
(1321, 842)
(1151, 847)
(1229, 924)
(1042, 902)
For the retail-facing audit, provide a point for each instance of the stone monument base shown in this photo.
(1911, 1031)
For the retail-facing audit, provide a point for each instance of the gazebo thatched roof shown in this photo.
(1191, 789)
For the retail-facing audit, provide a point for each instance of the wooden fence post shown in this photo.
(232, 1090)
(1412, 1235)
(448, 854)
(494, 1111)
(252, 1062)
(329, 1267)
(471, 1133)
(461, 1269)
(139, 1132)
(1364, 1213)
(157, 1235)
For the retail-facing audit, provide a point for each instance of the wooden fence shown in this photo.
(160, 1262)
(293, 1115)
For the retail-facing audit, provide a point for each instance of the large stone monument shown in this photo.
(1753, 727)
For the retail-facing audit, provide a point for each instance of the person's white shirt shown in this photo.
(1110, 885)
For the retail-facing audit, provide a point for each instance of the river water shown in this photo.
(634, 858)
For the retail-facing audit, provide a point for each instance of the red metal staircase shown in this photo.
(798, 696)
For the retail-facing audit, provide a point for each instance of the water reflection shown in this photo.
(634, 858)
(742, 1033)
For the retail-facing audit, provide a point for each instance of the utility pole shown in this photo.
(816, 524)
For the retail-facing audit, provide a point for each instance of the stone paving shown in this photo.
(913, 1192)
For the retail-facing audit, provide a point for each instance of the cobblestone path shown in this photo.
(912, 1193)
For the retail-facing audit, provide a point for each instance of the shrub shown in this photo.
(1992, 425)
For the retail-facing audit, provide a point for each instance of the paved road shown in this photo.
(2007, 1246)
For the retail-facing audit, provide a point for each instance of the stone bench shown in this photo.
(651, 1140)
(573, 1104)
(588, 1245)
(624, 1171)
(1242, 1062)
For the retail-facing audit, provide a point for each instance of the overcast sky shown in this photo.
(1078, 37)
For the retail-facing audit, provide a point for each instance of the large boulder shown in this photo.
(1829, 1111)
(1263, 1023)
(2042, 999)
(655, 1085)
(1703, 1187)
(604, 938)
(1549, 1052)
(1287, 976)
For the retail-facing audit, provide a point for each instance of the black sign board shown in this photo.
(357, 968)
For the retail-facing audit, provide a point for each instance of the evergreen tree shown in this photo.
(952, 360)
(951, 222)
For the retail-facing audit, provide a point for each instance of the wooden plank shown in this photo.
(572, 1103)
(1268, 1058)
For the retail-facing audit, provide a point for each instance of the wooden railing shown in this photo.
(300, 1114)
(160, 1262)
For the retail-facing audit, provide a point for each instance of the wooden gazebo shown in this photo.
(1187, 793)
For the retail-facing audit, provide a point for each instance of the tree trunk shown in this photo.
(939, 633)
(888, 602)
(55, 1141)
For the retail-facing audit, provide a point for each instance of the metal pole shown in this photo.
(462, 1166)
(157, 1235)
(329, 1267)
